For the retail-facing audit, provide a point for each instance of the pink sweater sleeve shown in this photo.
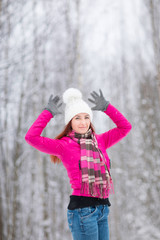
(43, 144)
(114, 135)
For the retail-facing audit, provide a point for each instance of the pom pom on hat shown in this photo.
(71, 94)
(72, 97)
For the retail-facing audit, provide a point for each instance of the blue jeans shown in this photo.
(89, 223)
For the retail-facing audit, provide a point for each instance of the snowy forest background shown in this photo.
(47, 46)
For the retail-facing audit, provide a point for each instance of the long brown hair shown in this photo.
(67, 129)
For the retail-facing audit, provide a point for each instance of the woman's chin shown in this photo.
(82, 131)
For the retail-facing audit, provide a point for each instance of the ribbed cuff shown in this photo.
(48, 110)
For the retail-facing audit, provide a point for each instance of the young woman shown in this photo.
(83, 153)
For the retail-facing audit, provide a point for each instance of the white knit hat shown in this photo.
(72, 97)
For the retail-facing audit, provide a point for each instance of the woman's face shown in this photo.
(80, 123)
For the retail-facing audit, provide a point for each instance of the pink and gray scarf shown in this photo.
(96, 179)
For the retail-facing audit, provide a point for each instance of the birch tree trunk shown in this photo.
(154, 9)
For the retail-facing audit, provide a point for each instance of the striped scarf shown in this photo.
(96, 179)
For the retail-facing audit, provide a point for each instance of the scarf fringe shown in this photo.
(97, 190)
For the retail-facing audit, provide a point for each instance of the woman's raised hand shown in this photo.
(100, 102)
(53, 105)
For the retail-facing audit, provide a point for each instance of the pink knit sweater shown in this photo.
(69, 151)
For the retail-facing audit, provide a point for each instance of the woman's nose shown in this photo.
(83, 122)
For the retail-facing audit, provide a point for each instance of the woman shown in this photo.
(84, 156)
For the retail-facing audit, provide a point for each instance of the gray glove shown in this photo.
(53, 105)
(99, 101)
